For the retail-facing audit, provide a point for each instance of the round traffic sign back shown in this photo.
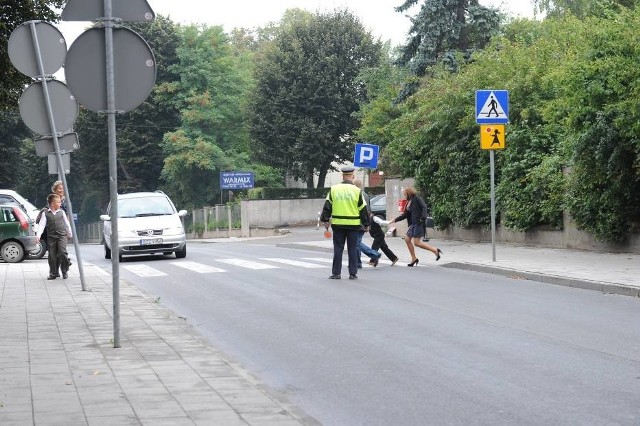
(22, 51)
(34, 112)
(134, 69)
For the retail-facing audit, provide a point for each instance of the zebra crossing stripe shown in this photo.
(293, 262)
(246, 264)
(144, 271)
(365, 263)
(197, 267)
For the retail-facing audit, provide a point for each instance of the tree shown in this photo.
(581, 8)
(13, 14)
(383, 84)
(302, 112)
(210, 94)
(12, 132)
(445, 31)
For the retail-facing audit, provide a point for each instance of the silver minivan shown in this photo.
(148, 223)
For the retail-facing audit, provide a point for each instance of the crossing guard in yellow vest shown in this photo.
(345, 209)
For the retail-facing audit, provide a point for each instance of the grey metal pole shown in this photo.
(113, 168)
(493, 207)
(56, 144)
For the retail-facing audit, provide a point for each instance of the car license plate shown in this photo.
(151, 242)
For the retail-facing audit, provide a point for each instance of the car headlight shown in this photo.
(174, 231)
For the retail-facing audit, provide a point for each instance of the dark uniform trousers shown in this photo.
(340, 235)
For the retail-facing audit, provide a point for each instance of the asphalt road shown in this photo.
(405, 346)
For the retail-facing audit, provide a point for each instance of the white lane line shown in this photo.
(197, 267)
(246, 264)
(144, 271)
(293, 262)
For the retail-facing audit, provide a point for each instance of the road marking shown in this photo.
(325, 260)
(247, 264)
(365, 263)
(319, 259)
(293, 262)
(197, 267)
(144, 271)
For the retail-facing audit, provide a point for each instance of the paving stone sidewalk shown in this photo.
(58, 365)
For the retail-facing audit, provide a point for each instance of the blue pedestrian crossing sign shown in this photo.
(492, 106)
(366, 156)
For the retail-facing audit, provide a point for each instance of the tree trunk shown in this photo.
(321, 177)
(309, 178)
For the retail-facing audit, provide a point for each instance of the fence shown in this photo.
(222, 218)
(90, 233)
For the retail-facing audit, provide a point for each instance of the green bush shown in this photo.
(297, 193)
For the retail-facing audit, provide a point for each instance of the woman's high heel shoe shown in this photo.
(414, 263)
(438, 253)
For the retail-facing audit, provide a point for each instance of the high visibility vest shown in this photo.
(346, 204)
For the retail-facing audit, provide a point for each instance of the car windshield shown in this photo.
(379, 200)
(144, 206)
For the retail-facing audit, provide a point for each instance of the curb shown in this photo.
(602, 287)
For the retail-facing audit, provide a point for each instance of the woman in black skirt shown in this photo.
(416, 215)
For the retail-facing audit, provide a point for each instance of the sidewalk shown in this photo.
(617, 273)
(58, 365)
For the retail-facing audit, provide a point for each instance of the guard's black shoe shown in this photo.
(353, 277)
(51, 277)
(334, 277)
(375, 261)
(65, 276)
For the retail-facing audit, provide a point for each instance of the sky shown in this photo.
(378, 16)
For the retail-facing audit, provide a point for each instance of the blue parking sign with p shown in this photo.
(366, 156)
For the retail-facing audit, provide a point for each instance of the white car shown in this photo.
(8, 196)
(148, 223)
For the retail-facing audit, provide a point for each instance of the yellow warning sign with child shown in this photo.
(492, 136)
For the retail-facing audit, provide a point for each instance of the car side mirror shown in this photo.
(105, 217)
(182, 213)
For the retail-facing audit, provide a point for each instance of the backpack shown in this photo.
(44, 209)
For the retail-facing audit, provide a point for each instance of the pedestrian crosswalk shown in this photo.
(144, 271)
(226, 264)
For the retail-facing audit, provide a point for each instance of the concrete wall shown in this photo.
(279, 213)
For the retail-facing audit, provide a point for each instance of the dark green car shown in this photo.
(17, 236)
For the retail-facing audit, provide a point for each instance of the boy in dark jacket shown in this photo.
(377, 233)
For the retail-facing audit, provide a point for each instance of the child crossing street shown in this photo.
(378, 235)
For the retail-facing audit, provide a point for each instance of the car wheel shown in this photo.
(181, 254)
(12, 252)
(107, 252)
(39, 252)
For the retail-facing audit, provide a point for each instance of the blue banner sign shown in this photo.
(236, 180)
